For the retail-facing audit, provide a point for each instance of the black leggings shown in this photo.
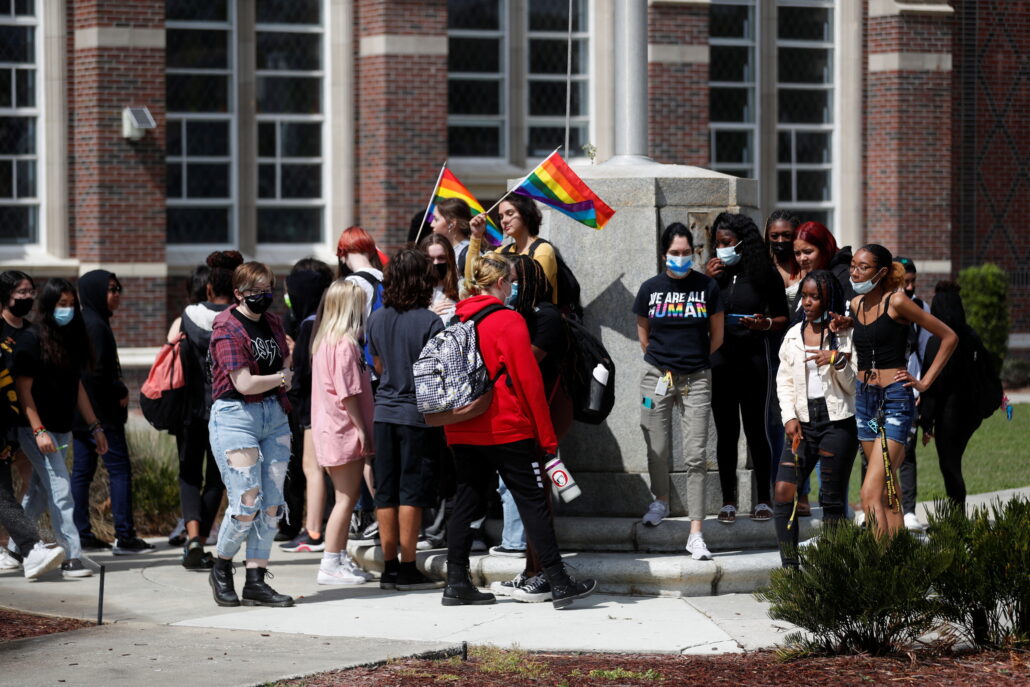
(742, 388)
(954, 425)
(12, 517)
(518, 465)
(833, 445)
(200, 490)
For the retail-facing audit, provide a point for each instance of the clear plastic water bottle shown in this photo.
(562, 480)
(598, 381)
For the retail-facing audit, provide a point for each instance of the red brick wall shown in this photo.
(678, 93)
(401, 127)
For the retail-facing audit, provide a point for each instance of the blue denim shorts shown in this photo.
(898, 404)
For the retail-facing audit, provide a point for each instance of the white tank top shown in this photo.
(815, 384)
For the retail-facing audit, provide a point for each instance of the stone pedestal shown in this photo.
(610, 460)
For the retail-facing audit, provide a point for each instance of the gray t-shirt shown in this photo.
(397, 338)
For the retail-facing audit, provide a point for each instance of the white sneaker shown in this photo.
(912, 523)
(7, 561)
(42, 559)
(655, 513)
(352, 565)
(506, 587)
(808, 542)
(338, 574)
(859, 518)
(697, 548)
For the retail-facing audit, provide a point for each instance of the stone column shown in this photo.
(630, 83)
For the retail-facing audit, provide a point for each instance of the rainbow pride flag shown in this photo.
(450, 187)
(554, 183)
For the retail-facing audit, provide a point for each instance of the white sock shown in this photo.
(330, 558)
(694, 536)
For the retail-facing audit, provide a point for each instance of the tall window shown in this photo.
(19, 122)
(733, 75)
(507, 63)
(201, 123)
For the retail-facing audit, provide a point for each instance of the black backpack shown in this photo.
(568, 300)
(586, 352)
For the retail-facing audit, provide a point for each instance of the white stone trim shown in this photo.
(910, 62)
(677, 54)
(890, 8)
(1019, 340)
(127, 269)
(41, 265)
(401, 44)
(118, 37)
(933, 266)
(140, 357)
(849, 177)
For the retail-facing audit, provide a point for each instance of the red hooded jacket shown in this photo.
(519, 409)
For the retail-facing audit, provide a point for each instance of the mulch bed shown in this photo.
(493, 667)
(17, 625)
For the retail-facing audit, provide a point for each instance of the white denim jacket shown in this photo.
(792, 379)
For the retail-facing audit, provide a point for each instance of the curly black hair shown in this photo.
(533, 285)
(527, 208)
(754, 258)
(408, 281)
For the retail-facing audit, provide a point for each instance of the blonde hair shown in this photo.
(486, 271)
(341, 314)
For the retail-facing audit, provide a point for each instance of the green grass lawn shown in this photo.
(998, 457)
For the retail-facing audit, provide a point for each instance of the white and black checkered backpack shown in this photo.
(452, 383)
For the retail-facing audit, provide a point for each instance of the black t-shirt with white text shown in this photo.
(677, 311)
(265, 348)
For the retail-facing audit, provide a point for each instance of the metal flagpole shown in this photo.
(568, 85)
(508, 192)
(430, 203)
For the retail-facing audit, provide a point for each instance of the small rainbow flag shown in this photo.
(449, 187)
(554, 183)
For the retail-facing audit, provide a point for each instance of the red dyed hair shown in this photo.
(356, 240)
(820, 237)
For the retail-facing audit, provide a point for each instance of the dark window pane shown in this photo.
(548, 98)
(813, 185)
(298, 95)
(783, 147)
(730, 63)
(197, 10)
(301, 140)
(473, 14)
(804, 65)
(551, 56)
(553, 15)
(26, 173)
(266, 139)
(207, 180)
(173, 138)
(266, 181)
(198, 225)
(473, 55)
(474, 141)
(207, 138)
(804, 107)
(473, 97)
(17, 44)
(784, 186)
(5, 87)
(805, 23)
(197, 93)
(733, 146)
(821, 216)
(289, 11)
(25, 87)
(25, 7)
(301, 181)
(173, 180)
(730, 21)
(18, 224)
(289, 225)
(730, 105)
(17, 135)
(544, 139)
(814, 147)
(6, 179)
(289, 51)
(196, 49)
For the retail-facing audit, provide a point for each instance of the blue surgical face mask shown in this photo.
(678, 264)
(863, 287)
(514, 295)
(824, 317)
(728, 255)
(63, 316)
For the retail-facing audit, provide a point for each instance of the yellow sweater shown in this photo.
(544, 254)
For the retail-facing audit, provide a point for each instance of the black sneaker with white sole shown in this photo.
(534, 590)
(131, 547)
(195, 558)
(89, 542)
(73, 567)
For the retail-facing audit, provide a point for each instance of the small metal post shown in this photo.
(100, 600)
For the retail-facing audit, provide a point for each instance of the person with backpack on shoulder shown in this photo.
(360, 264)
(680, 324)
(507, 438)
(967, 391)
(100, 293)
(407, 449)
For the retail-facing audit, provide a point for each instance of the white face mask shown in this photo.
(728, 255)
(863, 287)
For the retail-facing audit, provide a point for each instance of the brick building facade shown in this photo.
(280, 123)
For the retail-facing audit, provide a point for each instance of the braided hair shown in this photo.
(533, 285)
(831, 295)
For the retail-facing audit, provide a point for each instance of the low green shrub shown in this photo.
(985, 297)
(1015, 373)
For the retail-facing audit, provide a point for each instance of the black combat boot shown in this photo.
(564, 589)
(256, 591)
(460, 591)
(222, 584)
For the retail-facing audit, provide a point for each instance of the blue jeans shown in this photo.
(51, 488)
(253, 490)
(513, 536)
(898, 404)
(119, 471)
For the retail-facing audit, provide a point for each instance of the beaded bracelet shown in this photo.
(95, 426)
(841, 363)
(39, 430)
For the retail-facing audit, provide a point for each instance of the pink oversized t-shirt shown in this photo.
(338, 372)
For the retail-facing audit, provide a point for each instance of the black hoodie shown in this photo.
(104, 383)
(305, 288)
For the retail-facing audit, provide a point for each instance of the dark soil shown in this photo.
(493, 667)
(17, 625)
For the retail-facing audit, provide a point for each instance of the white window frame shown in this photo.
(187, 250)
(754, 85)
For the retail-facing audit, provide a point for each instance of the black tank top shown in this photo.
(882, 343)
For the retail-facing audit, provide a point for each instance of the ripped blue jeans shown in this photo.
(251, 444)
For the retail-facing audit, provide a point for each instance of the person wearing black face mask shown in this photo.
(18, 295)
(445, 294)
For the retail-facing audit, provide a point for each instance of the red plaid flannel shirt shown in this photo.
(230, 350)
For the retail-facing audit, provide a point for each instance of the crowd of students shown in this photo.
(812, 350)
